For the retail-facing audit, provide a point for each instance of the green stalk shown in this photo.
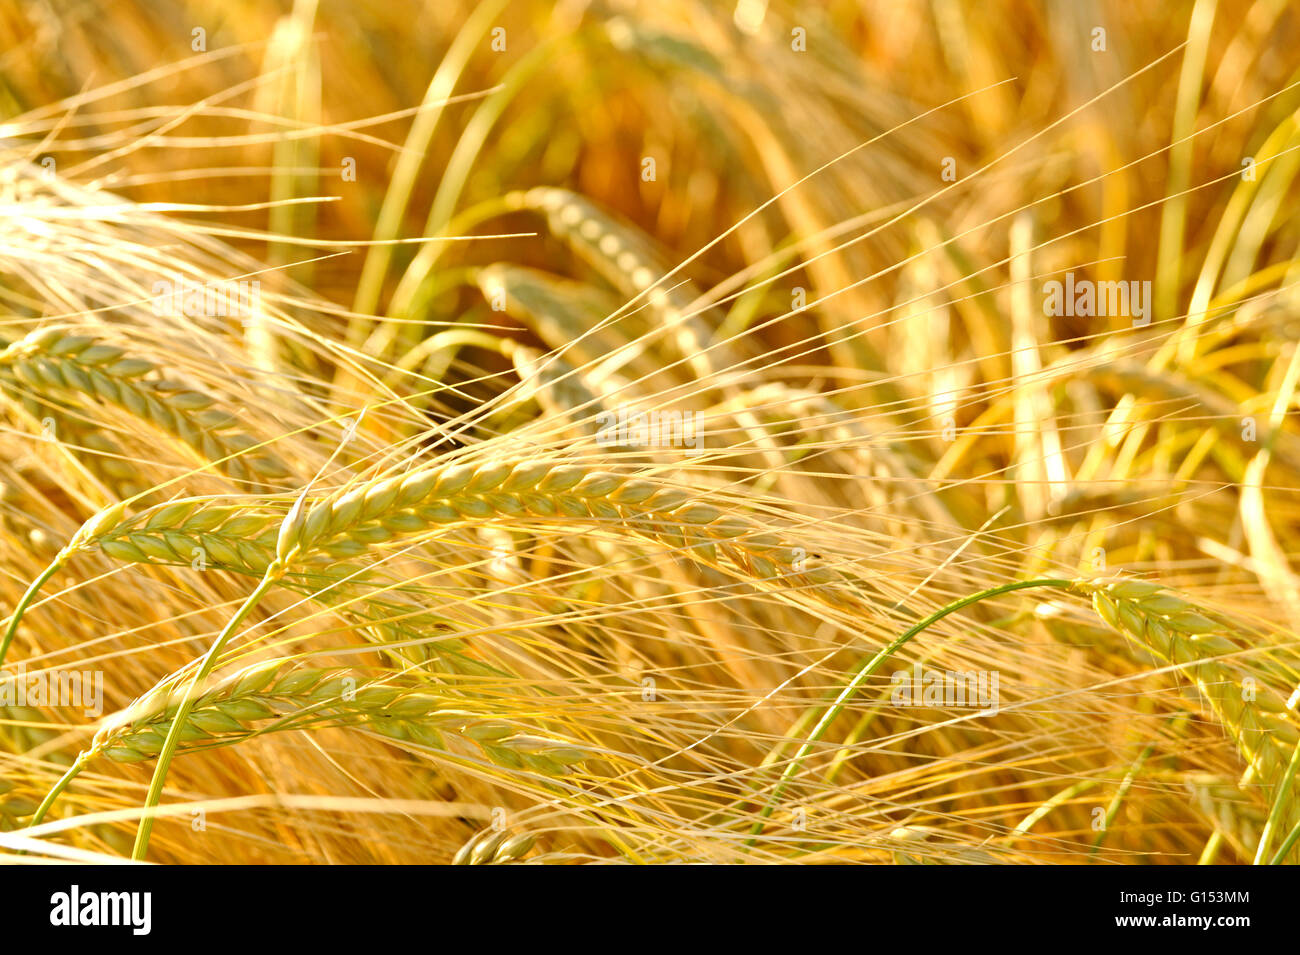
(1212, 847)
(1125, 785)
(1287, 844)
(28, 596)
(273, 574)
(867, 670)
(77, 766)
(85, 536)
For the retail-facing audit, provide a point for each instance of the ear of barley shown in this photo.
(276, 695)
(59, 360)
(243, 541)
(92, 446)
(567, 316)
(627, 259)
(346, 525)
(174, 533)
(1238, 687)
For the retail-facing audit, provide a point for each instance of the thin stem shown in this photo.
(273, 574)
(1115, 804)
(28, 596)
(77, 766)
(867, 670)
(1287, 845)
(1212, 847)
(1064, 796)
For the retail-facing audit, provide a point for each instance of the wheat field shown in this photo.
(598, 432)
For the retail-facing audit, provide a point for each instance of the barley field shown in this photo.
(693, 432)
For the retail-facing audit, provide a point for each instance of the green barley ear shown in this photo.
(276, 695)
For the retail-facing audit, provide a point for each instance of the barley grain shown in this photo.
(493, 847)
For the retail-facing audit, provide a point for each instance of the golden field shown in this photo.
(589, 432)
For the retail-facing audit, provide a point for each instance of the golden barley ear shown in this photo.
(1241, 688)
(79, 367)
(345, 525)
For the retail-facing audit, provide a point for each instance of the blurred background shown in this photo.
(714, 92)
